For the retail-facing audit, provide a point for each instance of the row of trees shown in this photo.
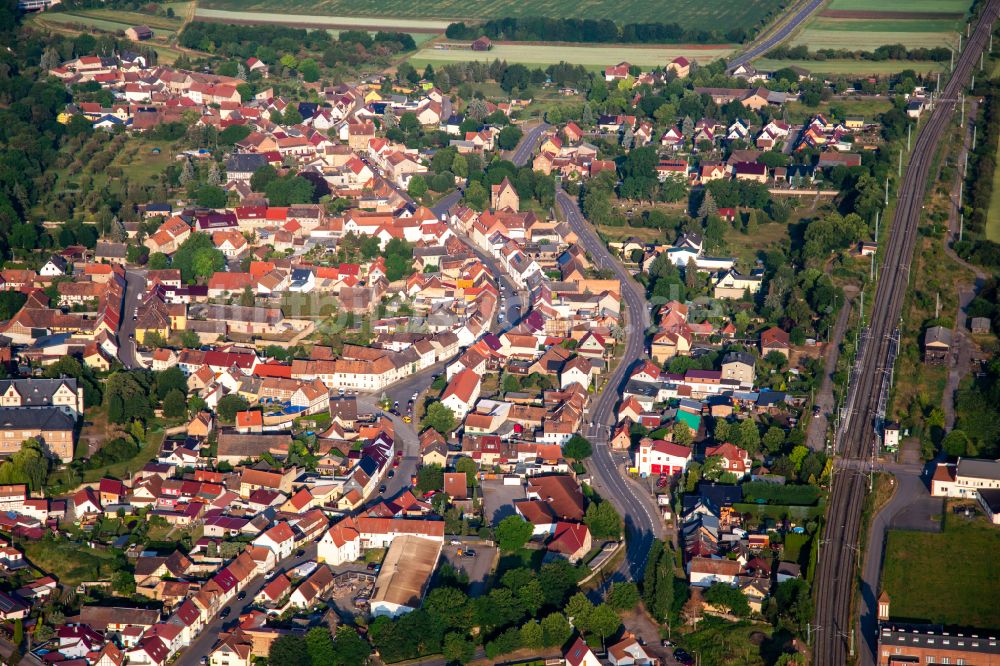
(879, 53)
(266, 42)
(536, 28)
(319, 648)
(528, 608)
(979, 185)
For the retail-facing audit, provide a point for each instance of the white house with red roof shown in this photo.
(580, 654)
(340, 544)
(617, 72)
(462, 392)
(734, 459)
(660, 457)
(280, 540)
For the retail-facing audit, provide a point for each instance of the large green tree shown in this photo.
(439, 417)
(512, 533)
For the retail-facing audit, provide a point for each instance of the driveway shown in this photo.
(498, 499)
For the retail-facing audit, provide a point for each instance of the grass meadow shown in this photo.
(952, 577)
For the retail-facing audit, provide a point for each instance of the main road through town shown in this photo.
(836, 574)
(642, 522)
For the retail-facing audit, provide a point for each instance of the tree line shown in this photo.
(537, 28)
(879, 53)
(266, 41)
(979, 186)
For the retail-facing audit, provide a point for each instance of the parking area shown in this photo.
(477, 568)
(498, 499)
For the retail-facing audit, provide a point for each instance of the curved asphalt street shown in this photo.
(760, 47)
(640, 513)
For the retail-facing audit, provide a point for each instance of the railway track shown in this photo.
(836, 572)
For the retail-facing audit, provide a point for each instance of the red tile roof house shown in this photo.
(734, 459)
(249, 421)
(774, 339)
(571, 540)
(616, 72)
(456, 485)
(280, 540)
(580, 654)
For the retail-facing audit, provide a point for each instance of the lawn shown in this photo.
(858, 67)
(698, 14)
(747, 247)
(866, 107)
(68, 561)
(588, 56)
(951, 578)
(123, 469)
(723, 643)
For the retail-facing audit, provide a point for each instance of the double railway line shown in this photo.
(836, 573)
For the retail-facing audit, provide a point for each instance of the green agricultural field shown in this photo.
(869, 37)
(920, 23)
(886, 25)
(322, 21)
(133, 18)
(698, 14)
(72, 19)
(859, 67)
(993, 217)
(588, 56)
(110, 20)
(950, 578)
(961, 6)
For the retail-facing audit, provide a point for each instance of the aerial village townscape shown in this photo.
(336, 334)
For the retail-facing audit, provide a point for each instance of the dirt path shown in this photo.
(961, 343)
(819, 425)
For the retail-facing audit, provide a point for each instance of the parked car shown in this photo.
(681, 655)
(225, 612)
(381, 489)
(241, 596)
(469, 553)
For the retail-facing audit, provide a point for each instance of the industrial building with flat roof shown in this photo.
(406, 572)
